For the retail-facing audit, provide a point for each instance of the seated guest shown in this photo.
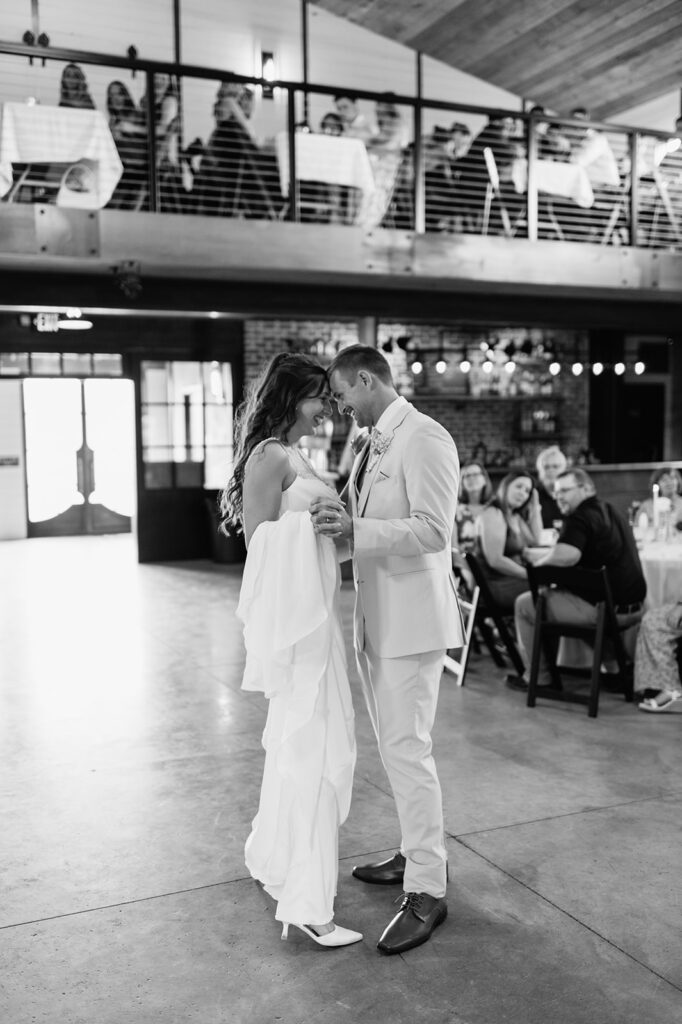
(510, 523)
(593, 535)
(355, 124)
(551, 144)
(549, 464)
(73, 89)
(235, 176)
(669, 484)
(475, 491)
(331, 124)
(128, 130)
(472, 185)
(385, 154)
(656, 657)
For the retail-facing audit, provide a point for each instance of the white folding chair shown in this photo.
(458, 666)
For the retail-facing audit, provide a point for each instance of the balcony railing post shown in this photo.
(419, 183)
(531, 188)
(634, 185)
(294, 213)
(152, 176)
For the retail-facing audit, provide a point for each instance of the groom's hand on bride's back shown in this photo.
(330, 518)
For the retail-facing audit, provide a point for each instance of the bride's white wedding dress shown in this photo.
(296, 656)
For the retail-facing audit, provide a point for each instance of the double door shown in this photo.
(80, 455)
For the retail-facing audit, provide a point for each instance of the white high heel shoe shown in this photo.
(338, 937)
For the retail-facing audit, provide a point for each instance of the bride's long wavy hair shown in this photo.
(269, 410)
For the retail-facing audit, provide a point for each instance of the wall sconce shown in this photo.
(267, 73)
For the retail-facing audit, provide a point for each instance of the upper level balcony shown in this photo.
(417, 197)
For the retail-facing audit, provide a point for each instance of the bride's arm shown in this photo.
(268, 473)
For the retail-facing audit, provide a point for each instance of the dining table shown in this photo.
(555, 178)
(662, 568)
(78, 139)
(331, 159)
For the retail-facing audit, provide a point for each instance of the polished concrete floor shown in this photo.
(131, 767)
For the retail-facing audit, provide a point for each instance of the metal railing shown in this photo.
(208, 143)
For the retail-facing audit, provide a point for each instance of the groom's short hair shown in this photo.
(351, 360)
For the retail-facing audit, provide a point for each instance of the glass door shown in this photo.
(80, 456)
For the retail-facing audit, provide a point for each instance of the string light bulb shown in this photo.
(416, 367)
(487, 366)
(639, 367)
(554, 368)
(619, 369)
(577, 369)
(597, 369)
(510, 366)
(441, 366)
(465, 365)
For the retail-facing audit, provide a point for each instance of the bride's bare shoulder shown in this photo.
(268, 457)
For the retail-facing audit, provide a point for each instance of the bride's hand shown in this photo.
(331, 519)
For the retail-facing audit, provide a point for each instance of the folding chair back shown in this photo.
(607, 627)
(458, 665)
(489, 609)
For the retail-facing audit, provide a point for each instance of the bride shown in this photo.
(295, 651)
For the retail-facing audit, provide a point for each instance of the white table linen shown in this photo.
(555, 178)
(331, 159)
(42, 134)
(662, 567)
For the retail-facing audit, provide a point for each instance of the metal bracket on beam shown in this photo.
(62, 231)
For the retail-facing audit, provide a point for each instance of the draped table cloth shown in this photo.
(61, 135)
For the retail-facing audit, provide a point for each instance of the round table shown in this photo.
(662, 566)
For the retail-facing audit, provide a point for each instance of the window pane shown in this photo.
(155, 425)
(218, 467)
(189, 474)
(186, 382)
(158, 470)
(188, 431)
(107, 363)
(47, 363)
(217, 383)
(154, 382)
(77, 364)
(13, 363)
(218, 425)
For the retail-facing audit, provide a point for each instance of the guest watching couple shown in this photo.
(475, 491)
(510, 523)
(402, 497)
(593, 535)
(295, 650)
(127, 126)
(549, 464)
(669, 483)
(73, 89)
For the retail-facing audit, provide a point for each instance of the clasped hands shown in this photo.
(330, 518)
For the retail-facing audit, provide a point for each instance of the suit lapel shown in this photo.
(371, 474)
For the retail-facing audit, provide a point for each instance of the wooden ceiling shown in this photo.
(606, 55)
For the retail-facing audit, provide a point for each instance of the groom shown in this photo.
(402, 499)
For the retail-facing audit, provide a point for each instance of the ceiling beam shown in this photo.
(650, 36)
(562, 44)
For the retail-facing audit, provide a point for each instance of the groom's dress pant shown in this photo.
(401, 696)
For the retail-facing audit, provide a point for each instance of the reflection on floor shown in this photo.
(131, 771)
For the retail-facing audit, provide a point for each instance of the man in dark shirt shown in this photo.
(593, 534)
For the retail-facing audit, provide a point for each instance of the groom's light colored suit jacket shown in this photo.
(406, 602)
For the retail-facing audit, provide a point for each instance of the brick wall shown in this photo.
(492, 421)
(263, 339)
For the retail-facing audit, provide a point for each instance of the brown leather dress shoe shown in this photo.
(386, 872)
(414, 923)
